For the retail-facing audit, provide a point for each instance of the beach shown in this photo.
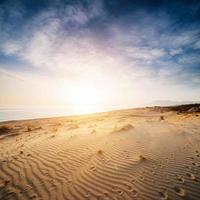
(144, 153)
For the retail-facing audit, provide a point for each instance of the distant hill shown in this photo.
(171, 103)
(189, 108)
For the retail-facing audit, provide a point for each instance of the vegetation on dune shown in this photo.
(5, 129)
(100, 152)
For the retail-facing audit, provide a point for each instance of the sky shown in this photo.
(114, 53)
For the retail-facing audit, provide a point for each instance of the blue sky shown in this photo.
(126, 52)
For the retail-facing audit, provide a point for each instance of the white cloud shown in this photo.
(197, 45)
(175, 51)
(80, 15)
(11, 47)
(196, 78)
(75, 15)
(189, 59)
(178, 40)
(145, 53)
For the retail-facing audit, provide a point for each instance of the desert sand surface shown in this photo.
(149, 153)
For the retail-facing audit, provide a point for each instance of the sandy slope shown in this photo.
(130, 154)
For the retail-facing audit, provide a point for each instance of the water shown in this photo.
(7, 114)
(20, 113)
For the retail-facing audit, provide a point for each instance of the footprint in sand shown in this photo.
(163, 195)
(6, 182)
(188, 167)
(133, 180)
(191, 176)
(197, 153)
(128, 187)
(114, 188)
(33, 196)
(10, 193)
(88, 194)
(99, 197)
(180, 179)
(195, 164)
(69, 182)
(143, 172)
(120, 192)
(134, 193)
(93, 168)
(104, 196)
(1, 186)
(180, 191)
(117, 189)
(153, 172)
(141, 177)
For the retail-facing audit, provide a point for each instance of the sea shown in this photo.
(34, 112)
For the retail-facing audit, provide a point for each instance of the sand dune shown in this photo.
(128, 154)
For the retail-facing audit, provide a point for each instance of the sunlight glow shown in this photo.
(85, 99)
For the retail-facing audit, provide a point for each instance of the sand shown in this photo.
(127, 154)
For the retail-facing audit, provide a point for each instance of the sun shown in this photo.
(85, 98)
(82, 98)
(82, 95)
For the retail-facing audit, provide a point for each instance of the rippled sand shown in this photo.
(128, 154)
